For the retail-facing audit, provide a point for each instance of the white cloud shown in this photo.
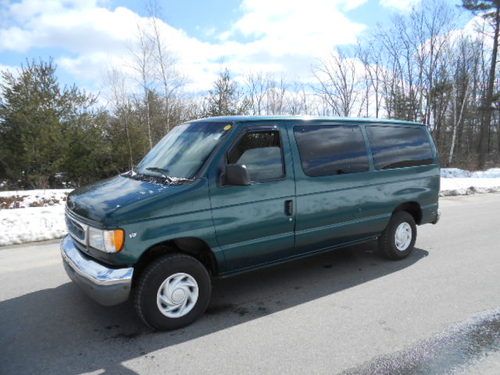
(15, 39)
(400, 5)
(297, 27)
(270, 36)
(75, 29)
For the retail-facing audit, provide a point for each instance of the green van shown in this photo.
(220, 196)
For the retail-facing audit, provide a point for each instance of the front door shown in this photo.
(254, 224)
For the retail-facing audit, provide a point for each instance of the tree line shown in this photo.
(420, 67)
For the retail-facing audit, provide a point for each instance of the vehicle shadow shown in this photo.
(60, 330)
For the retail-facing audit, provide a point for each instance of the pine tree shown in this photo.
(225, 98)
(36, 118)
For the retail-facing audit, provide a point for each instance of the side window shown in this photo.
(331, 150)
(399, 146)
(261, 153)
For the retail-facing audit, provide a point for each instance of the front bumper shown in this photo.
(107, 286)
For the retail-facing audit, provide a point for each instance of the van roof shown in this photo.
(236, 119)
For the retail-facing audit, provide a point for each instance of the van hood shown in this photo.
(115, 200)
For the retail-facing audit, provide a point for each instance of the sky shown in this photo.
(87, 38)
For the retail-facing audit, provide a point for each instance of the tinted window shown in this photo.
(261, 153)
(398, 146)
(330, 150)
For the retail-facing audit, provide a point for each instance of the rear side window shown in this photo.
(261, 153)
(331, 150)
(398, 146)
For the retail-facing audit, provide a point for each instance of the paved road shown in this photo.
(348, 311)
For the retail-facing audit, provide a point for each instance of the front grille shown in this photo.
(81, 247)
(76, 230)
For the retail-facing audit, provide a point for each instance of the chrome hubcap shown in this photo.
(177, 295)
(403, 236)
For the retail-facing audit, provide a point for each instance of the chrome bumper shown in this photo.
(107, 286)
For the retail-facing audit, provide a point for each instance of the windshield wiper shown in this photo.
(178, 180)
(170, 179)
(161, 171)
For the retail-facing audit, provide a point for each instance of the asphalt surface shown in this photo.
(436, 312)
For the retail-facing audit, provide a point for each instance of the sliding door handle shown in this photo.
(289, 207)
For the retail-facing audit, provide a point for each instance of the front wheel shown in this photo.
(398, 239)
(172, 292)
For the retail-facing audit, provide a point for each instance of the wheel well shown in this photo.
(413, 208)
(187, 245)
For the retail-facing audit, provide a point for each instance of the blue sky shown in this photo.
(87, 38)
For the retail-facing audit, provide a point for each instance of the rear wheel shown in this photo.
(172, 292)
(398, 239)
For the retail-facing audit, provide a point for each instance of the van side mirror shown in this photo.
(236, 174)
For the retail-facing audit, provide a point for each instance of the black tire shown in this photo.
(387, 241)
(146, 289)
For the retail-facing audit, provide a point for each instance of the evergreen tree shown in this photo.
(38, 119)
(225, 99)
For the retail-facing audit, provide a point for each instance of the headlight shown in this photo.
(110, 241)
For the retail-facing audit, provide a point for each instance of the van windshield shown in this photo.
(182, 152)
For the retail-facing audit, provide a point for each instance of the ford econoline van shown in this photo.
(220, 196)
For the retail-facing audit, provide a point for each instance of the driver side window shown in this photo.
(261, 153)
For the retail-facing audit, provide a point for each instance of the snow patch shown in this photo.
(455, 181)
(468, 186)
(461, 173)
(33, 198)
(31, 224)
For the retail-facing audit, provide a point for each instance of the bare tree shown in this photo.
(266, 94)
(275, 96)
(121, 105)
(166, 72)
(372, 63)
(142, 54)
(256, 85)
(297, 100)
(337, 79)
(490, 10)
(457, 119)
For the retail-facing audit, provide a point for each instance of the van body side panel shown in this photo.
(331, 210)
(337, 209)
(152, 232)
(250, 222)
(391, 188)
(412, 184)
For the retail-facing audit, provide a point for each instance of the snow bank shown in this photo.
(468, 185)
(31, 224)
(32, 215)
(32, 198)
(456, 181)
(461, 173)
